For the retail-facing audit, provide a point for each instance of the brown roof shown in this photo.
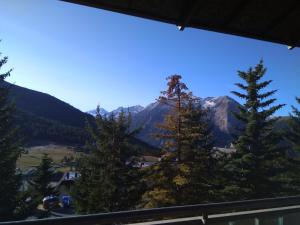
(271, 20)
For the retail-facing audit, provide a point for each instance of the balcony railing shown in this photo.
(279, 211)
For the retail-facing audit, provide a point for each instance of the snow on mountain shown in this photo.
(219, 116)
(209, 102)
(132, 109)
(94, 111)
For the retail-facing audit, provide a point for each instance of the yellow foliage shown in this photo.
(180, 181)
(158, 197)
(184, 168)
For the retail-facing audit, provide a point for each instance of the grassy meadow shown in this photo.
(33, 155)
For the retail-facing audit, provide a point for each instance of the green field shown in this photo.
(34, 155)
(57, 152)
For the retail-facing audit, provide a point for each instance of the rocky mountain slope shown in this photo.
(220, 110)
(132, 110)
(44, 117)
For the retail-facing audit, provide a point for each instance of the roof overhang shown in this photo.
(270, 20)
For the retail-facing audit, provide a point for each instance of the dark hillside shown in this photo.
(46, 106)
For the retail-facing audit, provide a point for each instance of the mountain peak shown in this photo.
(94, 112)
(227, 98)
(131, 109)
(219, 117)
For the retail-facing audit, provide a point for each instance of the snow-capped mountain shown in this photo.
(132, 109)
(219, 109)
(208, 102)
(94, 111)
(219, 112)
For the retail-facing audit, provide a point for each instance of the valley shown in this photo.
(32, 156)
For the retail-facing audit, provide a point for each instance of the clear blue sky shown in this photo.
(87, 56)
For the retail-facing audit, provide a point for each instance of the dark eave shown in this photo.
(270, 20)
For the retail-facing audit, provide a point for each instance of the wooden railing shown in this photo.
(189, 214)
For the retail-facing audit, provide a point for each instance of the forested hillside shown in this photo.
(46, 106)
(42, 118)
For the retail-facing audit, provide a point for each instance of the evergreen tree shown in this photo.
(197, 135)
(293, 138)
(257, 168)
(200, 160)
(293, 134)
(42, 178)
(162, 189)
(27, 204)
(163, 180)
(9, 152)
(176, 97)
(186, 170)
(110, 179)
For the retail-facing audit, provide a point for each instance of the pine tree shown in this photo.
(161, 190)
(110, 179)
(162, 178)
(293, 134)
(197, 134)
(184, 174)
(42, 178)
(176, 97)
(256, 169)
(9, 152)
(200, 160)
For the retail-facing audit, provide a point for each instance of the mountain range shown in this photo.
(131, 109)
(220, 116)
(42, 117)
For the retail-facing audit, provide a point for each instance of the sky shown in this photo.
(86, 56)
